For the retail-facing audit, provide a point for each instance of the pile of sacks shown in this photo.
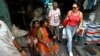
(18, 32)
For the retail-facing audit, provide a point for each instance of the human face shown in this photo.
(45, 24)
(54, 7)
(75, 7)
(36, 24)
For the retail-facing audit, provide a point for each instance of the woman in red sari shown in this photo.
(33, 40)
(47, 46)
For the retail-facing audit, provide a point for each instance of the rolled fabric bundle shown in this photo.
(91, 30)
(88, 39)
(96, 37)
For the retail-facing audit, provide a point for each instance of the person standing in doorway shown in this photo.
(74, 23)
(54, 19)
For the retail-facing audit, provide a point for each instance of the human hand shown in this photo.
(78, 30)
(29, 41)
(23, 53)
(81, 31)
(54, 37)
(35, 41)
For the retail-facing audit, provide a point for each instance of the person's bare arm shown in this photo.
(49, 16)
(68, 14)
(17, 45)
(81, 20)
(12, 39)
(59, 15)
(20, 49)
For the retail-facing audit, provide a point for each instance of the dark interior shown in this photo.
(20, 16)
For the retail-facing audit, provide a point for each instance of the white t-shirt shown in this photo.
(6, 45)
(54, 17)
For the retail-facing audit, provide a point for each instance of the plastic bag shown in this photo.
(64, 33)
(65, 22)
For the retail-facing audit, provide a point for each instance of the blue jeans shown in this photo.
(70, 31)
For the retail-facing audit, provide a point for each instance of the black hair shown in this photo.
(43, 21)
(33, 24)
(78, 5)
(47, 28)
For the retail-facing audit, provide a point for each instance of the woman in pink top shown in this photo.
(75, 21)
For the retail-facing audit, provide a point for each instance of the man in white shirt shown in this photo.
(8, 45)
(54, 19)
